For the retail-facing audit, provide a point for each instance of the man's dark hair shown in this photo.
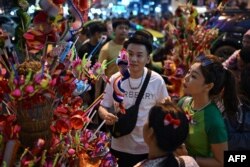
(141, 37)
(120, 21)
(94, 27)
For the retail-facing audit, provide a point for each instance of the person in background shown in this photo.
(244, 88)
(131, 148)
(242, 59)
(111, 49)
(95, 31)
(238, 124)
(82, 36)
(236, 65)
(231, 63)
(165, 131)
(110, 32)
(206, 79)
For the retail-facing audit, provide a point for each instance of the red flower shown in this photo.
(40, 17)
(77, 122)
(76, 102)
(61, 111)
(61, 126)
(4, 86)
(35, 40)
(8, 127)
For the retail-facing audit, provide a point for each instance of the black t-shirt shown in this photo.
(88, 48)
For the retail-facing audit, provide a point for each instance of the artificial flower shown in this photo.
(77, 122)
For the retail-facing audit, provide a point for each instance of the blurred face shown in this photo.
(138, 58)
(246, 41)
(98, 36)
(121, 31)
(194, 82)
(109, 28)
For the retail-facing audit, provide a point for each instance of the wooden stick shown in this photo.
(10, 152)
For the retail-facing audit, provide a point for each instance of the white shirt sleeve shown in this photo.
(162, 91)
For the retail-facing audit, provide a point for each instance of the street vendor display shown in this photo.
(42, 113)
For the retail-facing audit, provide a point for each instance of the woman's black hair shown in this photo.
(141, 37)
(245, 55)
(168, 137)
(223, 80)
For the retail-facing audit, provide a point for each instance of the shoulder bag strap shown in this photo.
(143, 88)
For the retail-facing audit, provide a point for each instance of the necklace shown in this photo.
(137, 87)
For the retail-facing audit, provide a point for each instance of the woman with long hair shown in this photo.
(206, 80)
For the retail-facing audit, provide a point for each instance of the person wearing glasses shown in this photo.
(206, 80)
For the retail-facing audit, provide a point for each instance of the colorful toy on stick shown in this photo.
(118, 94)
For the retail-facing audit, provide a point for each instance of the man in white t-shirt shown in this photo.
(131, 148)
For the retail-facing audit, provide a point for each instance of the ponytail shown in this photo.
(229, 95)
(170, 161)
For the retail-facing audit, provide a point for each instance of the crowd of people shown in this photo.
(190, 130)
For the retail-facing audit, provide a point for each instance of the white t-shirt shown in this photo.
(156, 91)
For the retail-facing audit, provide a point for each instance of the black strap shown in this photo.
(143, 88)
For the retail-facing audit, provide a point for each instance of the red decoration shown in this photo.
(77, 122)
(168, 119)
(58, 2)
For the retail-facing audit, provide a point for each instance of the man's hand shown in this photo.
(107, 116)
